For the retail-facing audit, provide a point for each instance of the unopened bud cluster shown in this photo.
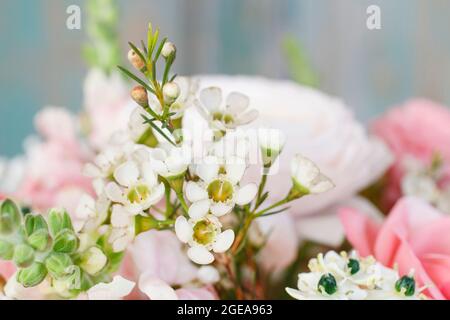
(47, 248)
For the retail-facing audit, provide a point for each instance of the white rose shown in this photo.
(321, 128)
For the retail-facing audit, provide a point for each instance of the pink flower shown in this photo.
(414, 236)
(156, 261)
(53, 173)
(419, 128)
(108, 106)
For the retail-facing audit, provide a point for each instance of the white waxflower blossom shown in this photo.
(91, 212)
(117, 289)
(122, 231)
(218, 189)
(307, 176)
(136, 186)
(348, 277)
(203, 234)
(224, 116)
(172, 162)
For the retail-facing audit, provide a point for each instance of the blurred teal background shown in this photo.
(41, 64)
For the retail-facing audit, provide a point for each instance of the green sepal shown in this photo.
(57, 221)
(10, 217)
(23, 255)
(66, 241)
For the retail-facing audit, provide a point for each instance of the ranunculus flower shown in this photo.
(323, 129)
(53, 171)
(419, 129)
(156, 261)
(108, 106)
(413, 236)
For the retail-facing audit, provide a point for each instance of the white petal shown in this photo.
(235, 168)
(148, 174)
(200, 255)
(211, 98)
(199, 209)
(248, 117)
(155, 288)
(208, 275)
(194, 192)
(223, 241)
(127, 173)
(91, 170)
(114, 192)
(322, 184)
(156, 195)
(219, 209)
(119, 216)
(237, 102)
(118, 288)
(209, 169)
(183, 229)
(246, 194)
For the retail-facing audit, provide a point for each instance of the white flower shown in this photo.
(228, 116)
(90, 213)
(348, 277)
(323, 129)
(307, 176)
(115, 290)
(203, 234)
(168, 49)
(136, 186)
(218, 189)
(122, 230)
(171, 163)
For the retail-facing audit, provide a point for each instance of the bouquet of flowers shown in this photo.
(217, 187)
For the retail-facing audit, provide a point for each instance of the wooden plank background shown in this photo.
(40, 61)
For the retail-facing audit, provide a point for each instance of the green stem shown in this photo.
(183, 202)
(169, 207)
(262, 184)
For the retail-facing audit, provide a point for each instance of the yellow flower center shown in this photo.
(204, 232)
(220, 191)
(223, 117)
(138, 193)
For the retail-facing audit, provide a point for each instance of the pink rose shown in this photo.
(414, 236)
(419, 128)
(53, 171)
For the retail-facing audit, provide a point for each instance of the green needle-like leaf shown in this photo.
(136, 78)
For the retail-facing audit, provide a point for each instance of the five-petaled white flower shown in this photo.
(218, 189)
(172, 162)
(229, 116)
(136, 186)
(203, 234)
(307, 176)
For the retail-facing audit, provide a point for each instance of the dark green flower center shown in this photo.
(327, 283)
(353, 266)
(407, 284)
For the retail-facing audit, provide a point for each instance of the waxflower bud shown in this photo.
(58, 220)
(32, 275)
(6, 250)
(23, 255)
(171, 91)
(10, 217)
(271, 143)
(34, 223)
(57, 264)
(66, 242)
(136, 60)
(39, 240)
(140, 96)
(353, 266)
(93, 260)
(168, 49)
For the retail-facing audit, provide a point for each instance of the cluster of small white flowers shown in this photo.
(425, 182)
(349, 277)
